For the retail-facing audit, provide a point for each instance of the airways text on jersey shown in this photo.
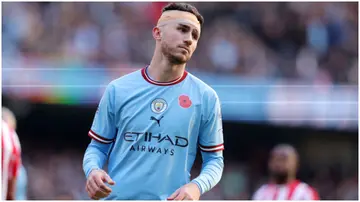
(154, 143)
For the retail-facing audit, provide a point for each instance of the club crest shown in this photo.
(158, 105)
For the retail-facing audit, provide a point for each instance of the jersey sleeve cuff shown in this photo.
(98, 138)
(214, 148)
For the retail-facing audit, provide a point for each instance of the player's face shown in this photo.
(282, 163)
(179, 41)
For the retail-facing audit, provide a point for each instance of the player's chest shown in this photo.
(279, 193)
(166, 110)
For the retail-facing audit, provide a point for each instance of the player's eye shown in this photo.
(182, 29)
(195, 35)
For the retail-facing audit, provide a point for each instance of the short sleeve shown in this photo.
(211, 133)
(103, 127)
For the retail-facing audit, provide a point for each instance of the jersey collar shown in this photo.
(169, 83)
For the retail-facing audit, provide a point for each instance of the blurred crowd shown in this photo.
(59, 176)
(314, 42)
(55, 175)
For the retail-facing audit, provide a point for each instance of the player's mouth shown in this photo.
(184, 48)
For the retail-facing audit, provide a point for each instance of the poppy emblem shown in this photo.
(185, 101)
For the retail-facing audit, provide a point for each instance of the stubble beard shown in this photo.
(280, 177)
(173, 59)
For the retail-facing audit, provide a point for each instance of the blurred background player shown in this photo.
(21, 183)
(283, 184)
(11, 156)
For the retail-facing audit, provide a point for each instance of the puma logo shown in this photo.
(157, 120)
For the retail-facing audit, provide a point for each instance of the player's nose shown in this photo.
(188, 41)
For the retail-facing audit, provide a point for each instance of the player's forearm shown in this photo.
(211, 172)
(95, 156)
(10, 195)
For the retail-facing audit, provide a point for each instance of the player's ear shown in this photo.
(157, 33)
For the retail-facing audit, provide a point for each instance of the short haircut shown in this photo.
(288, 147)
(184, 7)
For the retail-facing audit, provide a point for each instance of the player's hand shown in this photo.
(95, 184)
(189, 191)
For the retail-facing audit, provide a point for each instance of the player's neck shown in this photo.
(290, 179)
(162, 70)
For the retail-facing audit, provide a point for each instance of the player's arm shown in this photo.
(15, 163)
(11, 189)
(103, 135)
(211, 143)
(95, 156)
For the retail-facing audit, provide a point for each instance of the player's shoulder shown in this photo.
(131, 77)
(260, 189)
(305, 185)
(202, 87)
(10, 134)
(6, 129)
(308, 190)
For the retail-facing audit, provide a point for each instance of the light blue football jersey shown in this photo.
(155, 129)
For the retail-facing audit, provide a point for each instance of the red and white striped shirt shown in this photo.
(10, 156)
(295, 190)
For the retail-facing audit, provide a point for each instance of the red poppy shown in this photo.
(185, 101)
